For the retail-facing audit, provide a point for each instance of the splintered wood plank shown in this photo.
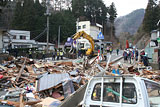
(30, 69)
(21, 70)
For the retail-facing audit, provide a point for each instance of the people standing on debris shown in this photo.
(130, 56)
(30, 53)
(53, 55)
(125, 55)
(142, 53)
(145, 59)
(117, 51)
(136, 54)
(61, 54)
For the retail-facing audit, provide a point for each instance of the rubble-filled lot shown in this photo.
(39, 83)
(25, 81)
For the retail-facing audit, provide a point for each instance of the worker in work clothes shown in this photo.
(110, 50)
(58, 53)
(61, 54)
(43, 54)
(30, 53)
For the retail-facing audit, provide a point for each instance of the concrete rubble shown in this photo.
(39, 83)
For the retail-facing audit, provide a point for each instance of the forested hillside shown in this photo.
(129, 23)
(151, 18)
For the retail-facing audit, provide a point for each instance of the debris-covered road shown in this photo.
(35, 83)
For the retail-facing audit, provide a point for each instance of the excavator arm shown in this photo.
(88, 37)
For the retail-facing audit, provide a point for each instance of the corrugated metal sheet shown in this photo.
(50, 80)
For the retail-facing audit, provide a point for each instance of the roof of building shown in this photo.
(50, 80)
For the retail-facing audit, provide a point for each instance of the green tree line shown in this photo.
(29, 15)
(152, 16)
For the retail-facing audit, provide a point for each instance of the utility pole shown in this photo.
(59, 34)
(47, 14)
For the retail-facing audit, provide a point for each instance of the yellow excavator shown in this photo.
(89, 38)
(89, 50)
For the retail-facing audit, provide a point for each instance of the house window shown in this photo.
(23, 37)
(14, 36)
(84, 26)
(79, 27)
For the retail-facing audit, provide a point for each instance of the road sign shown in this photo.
(100, 36)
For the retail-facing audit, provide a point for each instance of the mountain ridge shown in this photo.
(130, 22)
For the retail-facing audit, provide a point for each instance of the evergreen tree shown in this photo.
(18, 17)
(151, 16)
(112, 12)
(94, 11)
(67, 22)
(40, 23)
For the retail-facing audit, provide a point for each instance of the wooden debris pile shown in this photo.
(137, 69)
(25, 81)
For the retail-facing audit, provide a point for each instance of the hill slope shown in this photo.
(129, 23)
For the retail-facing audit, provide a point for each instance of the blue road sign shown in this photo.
(100, 36)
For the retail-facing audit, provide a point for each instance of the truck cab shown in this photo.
(121, 91)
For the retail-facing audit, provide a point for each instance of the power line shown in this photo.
(41, 34)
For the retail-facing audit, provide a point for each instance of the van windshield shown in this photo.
(153, 91)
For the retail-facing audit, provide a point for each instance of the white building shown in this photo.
(17, 39)
(92, 29)
(21, 39)
(154, 35)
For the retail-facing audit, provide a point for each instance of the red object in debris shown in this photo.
(98, 51)
(1, 76)
(127, 44)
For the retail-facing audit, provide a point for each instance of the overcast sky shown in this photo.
(127, 6)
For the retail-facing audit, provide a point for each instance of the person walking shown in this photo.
(43, 54)
(145, 60)
(117, 51)
(142, 53)
(125, 55)
(130, 56)
(136, 54)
